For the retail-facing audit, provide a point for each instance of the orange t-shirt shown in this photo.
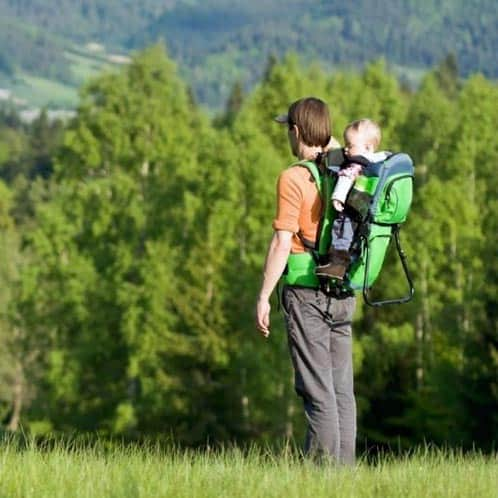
(299, 205)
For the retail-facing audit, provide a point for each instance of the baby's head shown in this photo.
(361, 136)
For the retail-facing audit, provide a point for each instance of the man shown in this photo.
(318, 324)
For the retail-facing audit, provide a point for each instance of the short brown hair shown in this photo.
(370, 129)
(311, 116)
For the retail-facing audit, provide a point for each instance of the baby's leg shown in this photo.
(339, 258)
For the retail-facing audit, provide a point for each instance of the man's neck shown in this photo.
(308, 153)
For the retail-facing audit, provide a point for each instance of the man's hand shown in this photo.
(263, 316)
(276, 260)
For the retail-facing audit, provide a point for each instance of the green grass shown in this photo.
(84, 67)
(86, 64)
(69, 471)
(44, 92)
(40, 92)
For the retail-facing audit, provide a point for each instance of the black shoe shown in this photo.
(331, 270)
(337, 266)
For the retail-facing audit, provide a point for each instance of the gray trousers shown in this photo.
(320, 343)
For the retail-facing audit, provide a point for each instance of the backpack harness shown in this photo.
(379, 202)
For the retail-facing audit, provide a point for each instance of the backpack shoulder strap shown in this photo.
(324, 186)
(315, 173)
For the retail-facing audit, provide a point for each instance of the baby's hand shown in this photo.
(338, 206)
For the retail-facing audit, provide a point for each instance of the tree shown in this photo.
(447, 74)
(233, 106)
(127, 161)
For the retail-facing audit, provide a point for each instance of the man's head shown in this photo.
(361, 136)
(308, 120)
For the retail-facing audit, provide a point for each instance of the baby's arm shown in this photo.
(345, 180)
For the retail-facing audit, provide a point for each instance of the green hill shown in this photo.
(217, 42)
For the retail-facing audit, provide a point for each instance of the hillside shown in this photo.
(218, 42)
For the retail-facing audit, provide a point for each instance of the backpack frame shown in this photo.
(379, 201)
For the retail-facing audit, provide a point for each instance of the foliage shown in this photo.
(219, 42)
(134, 238)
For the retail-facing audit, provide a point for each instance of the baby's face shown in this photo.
(358, 143)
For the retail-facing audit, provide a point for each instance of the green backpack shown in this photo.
(380, 198)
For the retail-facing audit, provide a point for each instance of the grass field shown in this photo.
(44, 92)
(84, 67)
(68, 471)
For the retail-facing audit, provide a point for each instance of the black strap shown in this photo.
(310, 247)
(335, 289)
(308, 244)
(362, 161)
(279, 291)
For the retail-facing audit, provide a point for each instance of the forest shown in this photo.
(133, 239)
(219, 42)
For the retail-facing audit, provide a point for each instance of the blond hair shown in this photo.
(370, 129)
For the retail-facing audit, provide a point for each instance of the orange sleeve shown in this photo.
(289, 201)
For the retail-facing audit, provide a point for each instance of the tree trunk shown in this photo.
(17, 399)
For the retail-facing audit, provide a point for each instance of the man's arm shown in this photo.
(276, 259)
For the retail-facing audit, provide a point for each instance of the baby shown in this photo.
(361, 138)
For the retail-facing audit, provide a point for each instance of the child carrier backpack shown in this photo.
(379, 202)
